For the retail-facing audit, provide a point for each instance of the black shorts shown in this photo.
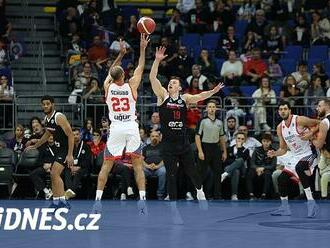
(60, 156)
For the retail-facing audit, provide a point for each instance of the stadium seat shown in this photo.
(6, 167)
(190, 40)
(195, 52)
(288, 65)
(210, 40)
(293, 52)
(248, 90)
(146, 12)
(128, 11)
(327, 65)
(218, 65)
(240, 27)
(318, 52)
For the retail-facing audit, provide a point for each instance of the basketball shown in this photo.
(146, 25)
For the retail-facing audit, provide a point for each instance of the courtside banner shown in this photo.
(161, 224)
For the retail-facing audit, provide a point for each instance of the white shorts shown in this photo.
(290, 160)
(123, 136)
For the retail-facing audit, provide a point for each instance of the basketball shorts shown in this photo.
(124, 139)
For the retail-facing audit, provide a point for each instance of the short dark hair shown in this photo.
(284, 102)
(239, 132)
(212, 101)
(97, 130)
(33, 119)
(74, 129)
(47, 98)
(231, 118)
(267, 136)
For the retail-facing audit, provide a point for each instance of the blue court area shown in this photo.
(188, 224)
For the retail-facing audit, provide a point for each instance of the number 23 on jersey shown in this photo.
(120, 104)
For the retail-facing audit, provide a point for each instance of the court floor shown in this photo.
(184, 224)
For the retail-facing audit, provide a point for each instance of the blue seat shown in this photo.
(288, 65)
(240, 27)
(248, 90)
(195, 52)
(218, 65)
(318, 52)
(327, 65)
(293, 52)
(210, 40)
(190, 40)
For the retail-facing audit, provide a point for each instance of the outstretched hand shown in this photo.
(160, 53)
(122, 47)
(144, 40)
(218, 87)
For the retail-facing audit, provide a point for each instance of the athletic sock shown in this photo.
(308, 193)
(56, 200)
(99, 194)
(284, 200)
(62, 198)
(142, 194)
(46, 191)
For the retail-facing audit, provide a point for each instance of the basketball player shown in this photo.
(322, 142)
(56, 124)
(124, 131)
(172, 111)
(290, 132)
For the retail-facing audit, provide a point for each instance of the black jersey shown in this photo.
(60, 138)
(173, 119)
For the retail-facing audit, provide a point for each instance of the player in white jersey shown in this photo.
(292, 133)
(124, 132)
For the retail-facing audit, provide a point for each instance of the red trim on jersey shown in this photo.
(110, 157)
(293, 177)
(289, 122)
(133, 154)
(134, 96)
(297, 127)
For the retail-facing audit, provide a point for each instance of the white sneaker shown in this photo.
(189, 197)
(122, 197)
(234, 198)
(49, 194)
(130, 191)
(69, 194)
(200, 195)
(167, 198)
(224, 176)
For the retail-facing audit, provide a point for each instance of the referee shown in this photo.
(210, 136)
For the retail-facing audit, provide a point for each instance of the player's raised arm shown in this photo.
(62, 121)
(41, 141)
(283, 146)
(203, 95)
(156, 86)
(138, 72)
(116, 62)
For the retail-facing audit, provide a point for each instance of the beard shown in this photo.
(321, 114)
(285, 117)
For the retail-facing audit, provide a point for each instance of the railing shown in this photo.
(24, 107)
(41, 67)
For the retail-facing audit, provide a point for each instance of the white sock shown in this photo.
(308, 193)
(46, 191)
(284, 200)
(62, 198)
(200, 190)
(99, 194)
(56, 200)
(130, 191)
(142, 194)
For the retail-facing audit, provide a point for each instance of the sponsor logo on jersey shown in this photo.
(119, 92)
(122, 117)
(175, 125)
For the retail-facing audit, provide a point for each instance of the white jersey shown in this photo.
(300, 148)
(121, 103)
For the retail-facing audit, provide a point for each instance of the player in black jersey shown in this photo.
(172, 111)
(57, 124)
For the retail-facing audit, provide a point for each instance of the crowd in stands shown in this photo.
(260, 49)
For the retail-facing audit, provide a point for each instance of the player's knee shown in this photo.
(302, 168)
(282, 179)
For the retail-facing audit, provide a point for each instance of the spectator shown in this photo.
(182, 63)
(3, 54)
(6, 98)
(320, 30)
(97, 51)
(193, 116)
(250, 143)
(119, 27)
(261, 166)
(263, 97)
(247, 10)
(185, 6)
(92, 91)
(254, 68)
(2, 7)
(250, 42)
(175, 26)
(153, 163)
(77, 46)
(209, 134)
(115, 48)
(206, 63)
(227, 43)
(96, 146)
(172, 54)
(78, 68)
(302, 76)
(87, 130)
(318, 70)
(291, 91)
(301, 34)
(37, 132)
(38, 176)
(324, 167)
(258, 24)
(274, 71)
(82, 164)
(223, 17)
(196, 73)
(103, 67)
(154, 124)
(273, 41)
(70, 24)
(105, 125)
(145, 140)
(313, 93)
(236, 164)
(230, 129)
(232, 70)
(16, 143)
(133, 34)
(5, 26)
(83, 78)
(199, 18)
